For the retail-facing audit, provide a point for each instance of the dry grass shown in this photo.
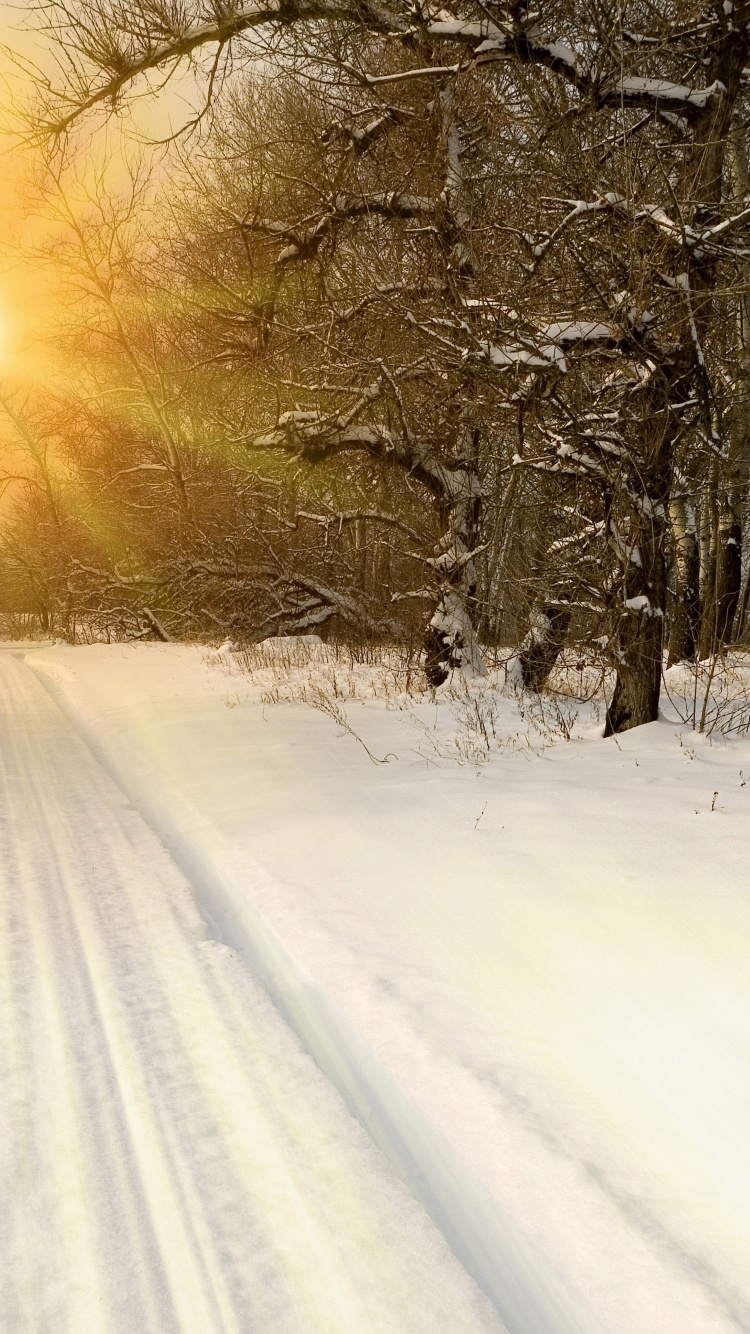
(713, 696)
(466, 721)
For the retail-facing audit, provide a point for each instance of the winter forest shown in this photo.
(419, 326)
(374, 666)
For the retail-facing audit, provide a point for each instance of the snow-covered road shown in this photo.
(170, 1160)
(530, 981)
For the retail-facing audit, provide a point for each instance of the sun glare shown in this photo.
(5, 339)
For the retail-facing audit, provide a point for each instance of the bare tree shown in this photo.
(174, 531)
(583, 294)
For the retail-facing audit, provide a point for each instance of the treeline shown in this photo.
(434, 326)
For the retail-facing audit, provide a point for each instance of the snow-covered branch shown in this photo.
(701, 243)
(304, 243)
(106, 58)
(359, 138)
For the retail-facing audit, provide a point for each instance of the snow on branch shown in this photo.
(547, 352)
(701, 244)
(104, 58)
(325, 602)
(567, 459)
(491, 41)
(359, 138)
(391, 204)
(664, 95)
(342, 517)
(314, 436)
(304, 243)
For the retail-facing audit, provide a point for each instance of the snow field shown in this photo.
(544, 955)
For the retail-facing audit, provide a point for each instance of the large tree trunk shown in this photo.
(721, 567)
(728, 570)
(636, 695)
(727, 484)
(542, 646)
(737, 472)
(686, 610)
(450, 640)
(641, 633)
(739, 630)
(707, 547)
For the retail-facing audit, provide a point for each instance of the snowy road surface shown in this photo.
(543, 963)
(170, 1160)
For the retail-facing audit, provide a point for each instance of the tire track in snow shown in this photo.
(528, 1297)
(170, 1161)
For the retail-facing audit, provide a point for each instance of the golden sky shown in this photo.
(24, 292)
(27, 292)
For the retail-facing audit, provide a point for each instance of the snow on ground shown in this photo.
(528, 976)
(170, 1160)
